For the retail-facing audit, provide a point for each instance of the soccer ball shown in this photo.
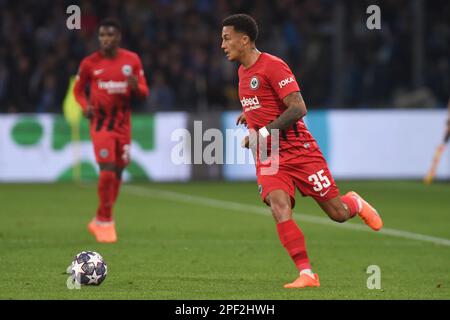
(88, 268)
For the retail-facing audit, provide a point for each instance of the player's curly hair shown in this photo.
(243, 23)
(110, 22)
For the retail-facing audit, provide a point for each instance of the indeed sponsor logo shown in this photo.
(251, 108)
(286, 81)
(113, 86)
(249, 102)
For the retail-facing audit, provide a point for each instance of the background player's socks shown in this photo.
(353, 204)
(308, 272)
(117, 184)
(104, 223)
(106, 189)
(293, 240)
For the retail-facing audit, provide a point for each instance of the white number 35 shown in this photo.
(320, 181)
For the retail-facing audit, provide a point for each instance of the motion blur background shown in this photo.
(377, 98)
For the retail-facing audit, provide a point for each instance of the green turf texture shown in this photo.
(172, 249)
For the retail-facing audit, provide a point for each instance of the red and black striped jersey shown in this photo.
(110, 95)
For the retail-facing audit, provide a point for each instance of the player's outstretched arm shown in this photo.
(296, 109)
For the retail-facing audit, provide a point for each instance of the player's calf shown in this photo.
(337, 209)
(339, 215)
(291, 236)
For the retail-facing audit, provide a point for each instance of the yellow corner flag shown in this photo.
(73, 114)
(71, 108)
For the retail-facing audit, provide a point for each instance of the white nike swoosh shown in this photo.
(323, 194)
(97, 72)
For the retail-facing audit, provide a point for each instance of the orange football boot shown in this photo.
(303, 281)
(368, 213)
(103, 232)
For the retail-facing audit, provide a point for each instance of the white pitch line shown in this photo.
(229, 205)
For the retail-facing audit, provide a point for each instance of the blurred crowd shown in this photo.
(179, 44)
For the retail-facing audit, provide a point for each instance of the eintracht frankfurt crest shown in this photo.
(254, 83)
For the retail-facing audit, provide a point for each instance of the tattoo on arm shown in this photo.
(296, 109)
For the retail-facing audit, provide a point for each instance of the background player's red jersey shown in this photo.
(110, 94)
(262, 88)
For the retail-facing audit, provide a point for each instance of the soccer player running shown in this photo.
(114, 75)
(271, 100)
(447, 132)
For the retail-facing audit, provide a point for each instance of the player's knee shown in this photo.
(281, 210)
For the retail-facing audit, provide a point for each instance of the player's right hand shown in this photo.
(252, 140)
(246, 142)
(241, 120)
(89, 113)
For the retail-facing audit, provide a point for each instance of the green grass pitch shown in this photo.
(218, 241)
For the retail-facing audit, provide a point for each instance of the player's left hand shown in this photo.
(126, 153)
(133, 82)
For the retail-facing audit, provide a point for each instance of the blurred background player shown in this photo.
(447, 134)
(271, 100)
(429, 177)
(114, 75)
